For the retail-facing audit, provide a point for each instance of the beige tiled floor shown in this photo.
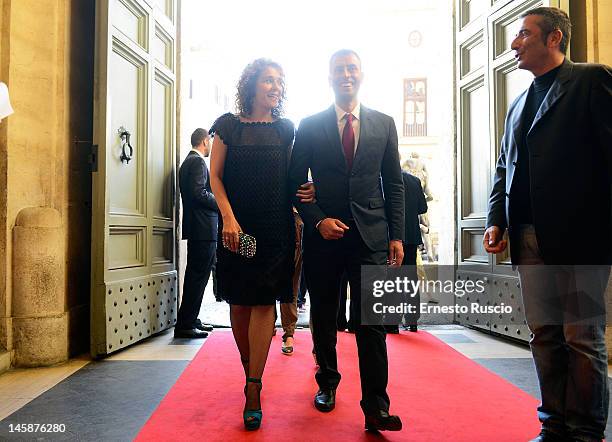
(159, 348)
(20, 386)
(485, 346)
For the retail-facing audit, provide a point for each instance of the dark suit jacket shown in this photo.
(570, 161)
(200, 211)
(372, 193)
(415, 205)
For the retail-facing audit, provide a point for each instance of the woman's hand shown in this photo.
(306, 193)
(231, 229)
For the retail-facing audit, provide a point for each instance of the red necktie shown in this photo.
(348, 141)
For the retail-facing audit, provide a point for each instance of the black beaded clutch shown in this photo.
(247, 245)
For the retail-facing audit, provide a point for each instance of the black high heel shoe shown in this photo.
(252, 418)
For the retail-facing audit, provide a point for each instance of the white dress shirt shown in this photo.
(341, 116)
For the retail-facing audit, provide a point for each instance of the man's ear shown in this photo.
(330, 80)
(554, 38)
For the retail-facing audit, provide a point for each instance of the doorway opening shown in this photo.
(407, 55)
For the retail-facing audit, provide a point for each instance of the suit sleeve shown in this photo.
(421, 201)
(301, 157)
(601, 110)
(393, 186)
(199, 178)
(496, 214)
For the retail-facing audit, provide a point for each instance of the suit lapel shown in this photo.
(330, 125)
(517, 116)
(557, 90)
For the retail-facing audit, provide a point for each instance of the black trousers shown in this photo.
(200, 259)
(325, 262)
(410, 259)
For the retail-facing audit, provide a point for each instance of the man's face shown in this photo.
(530, 50)
(345, 77)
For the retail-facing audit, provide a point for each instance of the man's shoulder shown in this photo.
(410, 180)
(316, 117)
(192, 159)
(589, 67)
(313, 120)
(592, 73)
(408, 176)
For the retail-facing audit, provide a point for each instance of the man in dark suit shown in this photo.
(200, 215)
(415, 205)
(352, 154)
(555, 169)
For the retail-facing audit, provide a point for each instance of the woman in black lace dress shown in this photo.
(249, 162)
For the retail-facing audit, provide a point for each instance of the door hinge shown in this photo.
(93, 158)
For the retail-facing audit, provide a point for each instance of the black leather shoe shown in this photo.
(382, 421)
(325, 400)
(413, 328)
(204, 327)
(392, 329)
(190, 333)
(547, 436)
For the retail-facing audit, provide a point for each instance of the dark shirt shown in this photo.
(520, 193)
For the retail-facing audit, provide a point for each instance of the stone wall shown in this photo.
(46, 59)
(4, 303)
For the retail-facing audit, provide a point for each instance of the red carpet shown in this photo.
(440, 395)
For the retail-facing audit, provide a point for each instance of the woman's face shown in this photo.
(269, 89)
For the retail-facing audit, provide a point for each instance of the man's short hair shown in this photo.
(343, 53)
(198, 136)
(552, 19)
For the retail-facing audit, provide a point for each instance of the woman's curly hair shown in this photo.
(247, 83)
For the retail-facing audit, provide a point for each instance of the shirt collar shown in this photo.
(198, 152)
(341, 112)
(546, 80)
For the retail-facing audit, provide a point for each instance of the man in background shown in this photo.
(200, 216)
(415, 205)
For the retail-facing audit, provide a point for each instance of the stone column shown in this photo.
(40, 321)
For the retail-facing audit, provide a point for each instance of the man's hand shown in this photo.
(396, 253)
(332, 228)
(492, 241)
(306, 193)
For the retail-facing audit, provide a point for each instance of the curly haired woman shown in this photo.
(249, 162)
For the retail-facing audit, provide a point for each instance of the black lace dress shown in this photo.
(255, 179)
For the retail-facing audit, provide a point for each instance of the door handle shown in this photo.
(125, 135)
